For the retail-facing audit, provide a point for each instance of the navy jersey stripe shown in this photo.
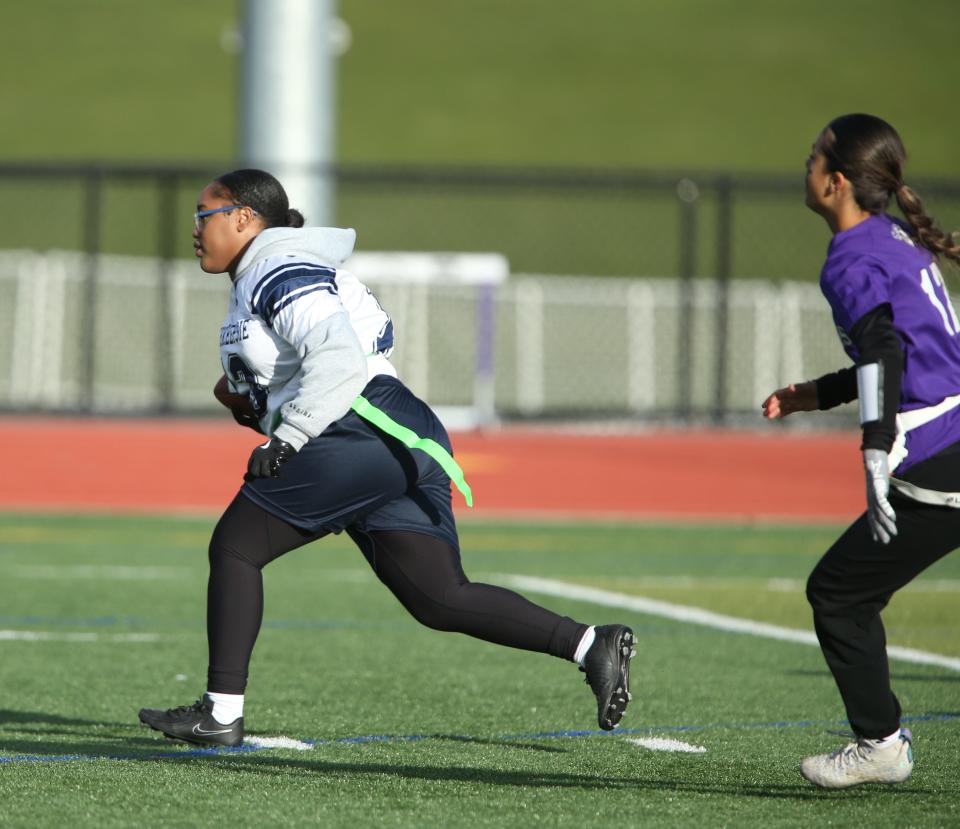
(301, 267)
(283, 285)
(286, 299)
(313, 266)
(385, 338)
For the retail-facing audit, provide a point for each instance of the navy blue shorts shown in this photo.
(353, 476)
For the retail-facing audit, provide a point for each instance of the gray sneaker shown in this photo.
(861, 762)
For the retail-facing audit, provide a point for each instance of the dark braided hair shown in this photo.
(869, 152)
(261, 191)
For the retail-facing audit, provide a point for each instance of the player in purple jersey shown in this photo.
(895, 320)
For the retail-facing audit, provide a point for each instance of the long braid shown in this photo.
(869, 152)
(928, 233)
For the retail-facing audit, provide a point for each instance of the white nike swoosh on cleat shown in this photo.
(199, 731)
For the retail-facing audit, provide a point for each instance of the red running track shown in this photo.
(164, 466)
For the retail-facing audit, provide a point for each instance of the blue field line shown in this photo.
(715, 727)
(414, 738)
(138, 622)
(160, 755)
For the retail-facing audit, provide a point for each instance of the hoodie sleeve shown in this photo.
(333, 372)
(303, 307)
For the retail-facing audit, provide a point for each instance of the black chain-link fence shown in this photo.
(684, 228)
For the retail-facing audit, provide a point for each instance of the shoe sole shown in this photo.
(616, 706)
(850, 785)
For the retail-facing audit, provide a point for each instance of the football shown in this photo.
(238, 403)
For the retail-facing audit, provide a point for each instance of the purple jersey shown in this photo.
(875, 263)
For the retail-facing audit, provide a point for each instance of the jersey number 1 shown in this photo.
(930, 281)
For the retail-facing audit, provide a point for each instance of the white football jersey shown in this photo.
(276, 300)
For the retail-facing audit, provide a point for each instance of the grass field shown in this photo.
(680, 84)
(402, 726)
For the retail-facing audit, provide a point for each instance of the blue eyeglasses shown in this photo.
(200, 215)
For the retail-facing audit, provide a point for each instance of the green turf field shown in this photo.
(469, 734)
(680, 84)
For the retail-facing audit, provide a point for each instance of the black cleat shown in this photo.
(607, 666)
(194, 724)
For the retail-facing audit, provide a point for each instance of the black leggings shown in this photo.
(851, 585)
(422, 571)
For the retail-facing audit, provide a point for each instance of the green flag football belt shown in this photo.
(365, 409)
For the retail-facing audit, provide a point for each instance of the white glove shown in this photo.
(880, 515)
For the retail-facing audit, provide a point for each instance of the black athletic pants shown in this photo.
(851, 585)
(422, 571)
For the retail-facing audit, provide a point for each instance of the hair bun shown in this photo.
(294, 218)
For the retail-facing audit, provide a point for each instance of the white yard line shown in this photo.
(665, 744)
(698, 616)
(70, 636)
(277, 742)
(775, 585)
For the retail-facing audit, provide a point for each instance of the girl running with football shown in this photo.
(895, 321)
(305, 349)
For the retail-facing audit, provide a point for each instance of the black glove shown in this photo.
(265, 460)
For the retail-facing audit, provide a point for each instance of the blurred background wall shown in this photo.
(638, 164)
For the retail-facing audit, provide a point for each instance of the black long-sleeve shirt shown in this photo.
(876, 341)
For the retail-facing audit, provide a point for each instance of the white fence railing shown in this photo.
(142, 336)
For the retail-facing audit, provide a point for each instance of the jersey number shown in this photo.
(240, 373)
(932, 283)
